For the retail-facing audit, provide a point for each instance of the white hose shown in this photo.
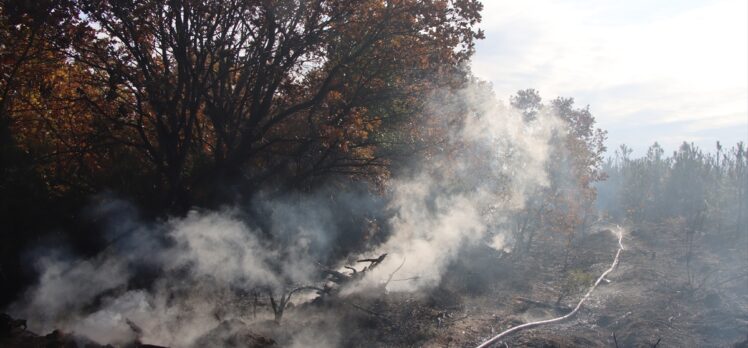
(568, 315)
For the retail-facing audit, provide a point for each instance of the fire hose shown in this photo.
(506, 333)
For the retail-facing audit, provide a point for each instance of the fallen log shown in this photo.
(342, 278)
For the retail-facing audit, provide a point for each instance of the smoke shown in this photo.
(192, 281)
(467, 196)
(203, 264)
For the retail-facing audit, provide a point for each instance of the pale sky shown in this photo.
(651, 70)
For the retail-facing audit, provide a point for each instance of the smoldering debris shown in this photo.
(206, 270)
(211, 257)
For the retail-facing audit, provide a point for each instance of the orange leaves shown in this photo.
(330, 134)
(350, 132)
(239, 87)
(53, 123)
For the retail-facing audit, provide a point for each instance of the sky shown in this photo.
(665, 70)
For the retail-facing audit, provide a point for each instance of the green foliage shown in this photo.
(706, 190)
(575, 282)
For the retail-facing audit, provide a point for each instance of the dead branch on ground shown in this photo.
(280, 306)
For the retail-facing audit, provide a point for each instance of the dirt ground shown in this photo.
(647, 301)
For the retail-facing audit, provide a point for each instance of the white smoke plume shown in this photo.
(206, 257)
(205, 265)
(464, 197)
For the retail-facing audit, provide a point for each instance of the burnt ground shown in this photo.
(649, 299)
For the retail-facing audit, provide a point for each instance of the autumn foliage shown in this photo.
(566, 207)
(173, 104)
(201, 100)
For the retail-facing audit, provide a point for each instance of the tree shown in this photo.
(575, 164)
(32, 64)
(230, 91)
(30, 60)
(180, 103)
(528, 101)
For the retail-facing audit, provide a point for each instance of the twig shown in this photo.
(374, 261)
(337, 276)
(378, 315)
(404, 279)
(365, 309)
(731, 279)
(393, 273)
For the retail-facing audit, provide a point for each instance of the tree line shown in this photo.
(706, 190)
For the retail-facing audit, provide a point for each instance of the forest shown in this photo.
(331, 173)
